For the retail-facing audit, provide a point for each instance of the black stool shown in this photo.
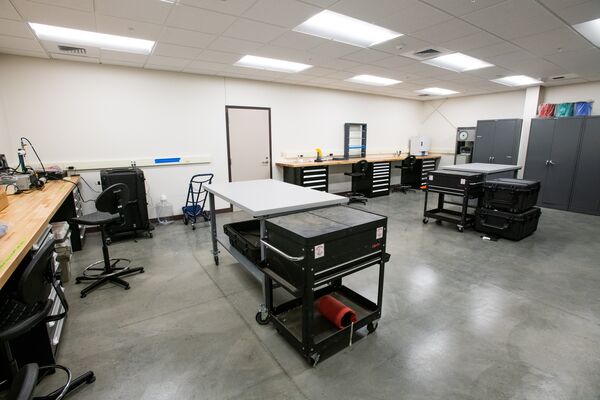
(111, 210)
(23, 309)
(359, 170)
(407, 166)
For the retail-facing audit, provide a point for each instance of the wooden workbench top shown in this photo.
(296, 164)
(27, 215)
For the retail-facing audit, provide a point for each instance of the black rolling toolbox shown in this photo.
(136, 211)
(514, 195)
(513, 226)
(245, 237)
(308, 254)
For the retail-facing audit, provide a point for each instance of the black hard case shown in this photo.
(514, 195)
(455, 180)
(136, 212)
(345, 233)
(513, 226)
(245, 237)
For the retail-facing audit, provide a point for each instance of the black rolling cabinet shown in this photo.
(314, 177)
(71, 208)
(376, 182)
(417, 178)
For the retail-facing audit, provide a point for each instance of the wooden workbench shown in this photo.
(27, 215)
(296, 164)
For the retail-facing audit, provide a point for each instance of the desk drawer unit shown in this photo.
(380, 179)
(427, 166)
(313, 177)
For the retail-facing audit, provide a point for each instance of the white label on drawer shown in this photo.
(463, 181)
(430, 177)
(379, 233)
(320, 250)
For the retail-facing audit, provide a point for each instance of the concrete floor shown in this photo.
(462, 318)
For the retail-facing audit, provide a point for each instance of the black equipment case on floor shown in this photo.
(245, 237)
(513, 226)
(308, 254)
(514, 195)
(136, 212)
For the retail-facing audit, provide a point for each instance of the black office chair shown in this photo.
(359, 170)
(407, 166)
(23, 307)
(111, 210)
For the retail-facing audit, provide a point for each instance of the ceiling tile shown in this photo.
(547, 43)
(580, 62)
(158, 67)
(231, 45)
(197, 19)
(167, 61)
(122, 63)
(333, 49)
(581, 12)
(321, 3)
(493, 50)
(475, 41)
(445, 31)
(27, 53)
(67, 57)
(237, 7)
(12, 42)
(7, 11)
(333, 63)
(82, 5)
(219, 57)
(286, 13)
(489, 73)
(124, 57)
(155, 12)
(394, 62)
(317, 71)
(367, 11)
(205, 66)
(555, 5)
(126, 27)
(297, 41)
(45, 14)
(282, 53)
(402, 44)
(366, 56)
(15, 28)
(186, 37)
(252, 30)
(413, 17)
(462, 7)
(173, 50)
(515, 18)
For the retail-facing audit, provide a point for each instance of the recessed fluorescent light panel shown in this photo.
(436, 91)
(590, 30)
(92, 39)
(341, 28)
(517, 80)
(373, 80)
(458, 62)
(271, 64)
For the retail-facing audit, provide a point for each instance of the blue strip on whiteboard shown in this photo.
(167, 160)
(356, 147)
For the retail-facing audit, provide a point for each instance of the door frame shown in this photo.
(227, 131)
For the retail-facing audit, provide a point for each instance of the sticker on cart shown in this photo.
(320, 250)
(463, 181)
(379, 233)
(430, 177)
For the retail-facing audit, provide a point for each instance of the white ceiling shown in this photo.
(531, 37)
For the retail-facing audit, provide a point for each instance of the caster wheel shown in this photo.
(425, 220)
(372, 327)
(260, 319)
(185, 221)
(216, 260)
(108, 242)
(150, 235)
(127, 287)
(193, 227)
(313, 359)
(82, 295)
(77, 282)
(91, 380)
(460, 228)
(142, 271)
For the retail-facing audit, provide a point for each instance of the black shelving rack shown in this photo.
(355, 140)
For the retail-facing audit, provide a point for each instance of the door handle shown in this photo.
(266, 162)
(547, 162)
(551, 162)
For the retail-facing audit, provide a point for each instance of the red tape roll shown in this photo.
(336, 312)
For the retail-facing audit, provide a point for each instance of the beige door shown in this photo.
(249, 139)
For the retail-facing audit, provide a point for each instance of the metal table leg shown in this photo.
(213, 227)
(267, 284)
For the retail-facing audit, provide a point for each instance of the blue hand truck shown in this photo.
(196, 198)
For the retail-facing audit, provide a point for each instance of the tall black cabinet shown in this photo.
(497, 141)
(563, 155)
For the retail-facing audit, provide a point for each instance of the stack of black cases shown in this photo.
(508, 208)
(136, 212)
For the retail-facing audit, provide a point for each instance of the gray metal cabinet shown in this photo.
(586, 190)
(552, 158)
(497, 141)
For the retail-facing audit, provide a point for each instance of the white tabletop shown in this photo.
(482, 168)
(269, 197)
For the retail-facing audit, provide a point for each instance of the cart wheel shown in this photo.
(185, 220)
(372, 326)
(217, 260)
(313, 359)
(150, 235)
(439, 222)
(425, 220)
(460, 228)
(260, 319)
(108, 241)
(193, 227)
(82, 295)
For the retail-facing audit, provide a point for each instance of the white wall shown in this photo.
(4, 140)
(573, 93)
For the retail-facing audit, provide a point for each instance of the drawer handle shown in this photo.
(281, 253)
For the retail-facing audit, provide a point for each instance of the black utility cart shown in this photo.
(308, 255)
(466, 185)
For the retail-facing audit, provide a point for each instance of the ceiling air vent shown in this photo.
(426, 53)
(424, 95)
(80, 51)
(565, 76)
